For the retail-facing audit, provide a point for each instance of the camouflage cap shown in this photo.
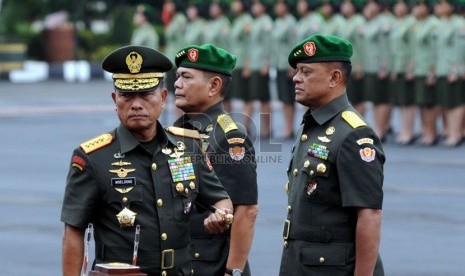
(321, 48)
(206, 57)
(136, 68)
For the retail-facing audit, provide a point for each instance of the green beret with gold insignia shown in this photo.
(136, 68)
(321, 48)
(206, 57)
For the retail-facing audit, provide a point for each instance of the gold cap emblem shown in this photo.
(134, 62)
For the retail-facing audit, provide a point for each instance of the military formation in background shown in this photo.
(407, 54)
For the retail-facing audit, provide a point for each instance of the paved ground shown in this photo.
(424, 221)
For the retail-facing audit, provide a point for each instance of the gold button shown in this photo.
(286, 188)
(164, 236)
(154, 166)
(192, 185)
(304, 137)
(321, 168)
(160, 202)
(312, 172)
(197, 255)
(286, 244)
(164, 273)
(186, 191)
(125, 199)
(289, 208)
(306, 164)
(180, 188)
(322, 260)
(295, 172)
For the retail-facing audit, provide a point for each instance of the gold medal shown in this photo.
(126, 217)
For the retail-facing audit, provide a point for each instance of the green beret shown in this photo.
(136, 68)
(321, 48)
(206, 57)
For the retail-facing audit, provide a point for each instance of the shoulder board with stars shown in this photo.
(97, 143)
(226, 123)
(353, 119)
(184, 132)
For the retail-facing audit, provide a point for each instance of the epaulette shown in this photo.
(97, 143)
(184, 132)
(226, 123)
(353, 119)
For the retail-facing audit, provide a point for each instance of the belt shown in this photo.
(323, 234)
(166, 259)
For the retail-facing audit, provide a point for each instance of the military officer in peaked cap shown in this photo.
(139, 174)
(204, 76)
(335, 176)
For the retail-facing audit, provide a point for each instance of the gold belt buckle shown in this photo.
(163, 258)
(287, 226)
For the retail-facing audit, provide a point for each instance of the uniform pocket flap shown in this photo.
(324, 255)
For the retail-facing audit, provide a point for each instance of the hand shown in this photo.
(216, 223)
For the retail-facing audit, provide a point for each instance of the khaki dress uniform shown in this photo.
(145, 36)
(174, 40)
(239, 41)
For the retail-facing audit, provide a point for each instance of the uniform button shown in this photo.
(286, 188)
(192, 185)
(321, 168)
(197, 255)
(186, 191)
(164, 236)
(180, 188)
(289, 208)
(160, 202)
(286, 244)
(154, 167)
(322, 260)
(163, 273)
(125, 199)
(312, 172)
(304, 137)
(306, 164)
(295, 172)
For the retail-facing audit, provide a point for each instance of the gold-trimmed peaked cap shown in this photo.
(321, 48)
(136, 68)
(207, 57)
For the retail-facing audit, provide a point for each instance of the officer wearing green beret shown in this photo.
(139, 175)
(204, 76)
(335, 176)
(144, 33)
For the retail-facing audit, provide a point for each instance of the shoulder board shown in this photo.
(353, 119)
(226, 123)
(184, 132)
(97, 143)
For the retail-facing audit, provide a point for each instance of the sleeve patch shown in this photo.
(368, 154)
(97, 143)
(78, 163)
(226, 123)
(353, 119)
(190, 133)
(364, 141)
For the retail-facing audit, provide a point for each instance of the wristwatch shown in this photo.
(233, 272)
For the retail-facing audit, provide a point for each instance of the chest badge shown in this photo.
(126, 217)
(324, 139)
(330, 130)
(319, 151)
(181, 169)
(122, 172)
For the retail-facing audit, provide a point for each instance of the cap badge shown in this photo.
(134, 62)
(193, 55)
(310, 48)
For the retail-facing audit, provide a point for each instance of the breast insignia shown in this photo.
(184, 132)
(353, 119)
(97, 143)
(226, 123)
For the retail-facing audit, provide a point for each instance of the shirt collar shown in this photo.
(328, 111)
(201, 120)
(128, 142)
